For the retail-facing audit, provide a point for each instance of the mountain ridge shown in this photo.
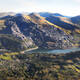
(35, 30)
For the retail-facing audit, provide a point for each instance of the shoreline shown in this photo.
(57, 51)
(29, 50)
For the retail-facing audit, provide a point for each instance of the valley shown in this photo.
(39, 46)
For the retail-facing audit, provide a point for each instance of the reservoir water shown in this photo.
(54, 51)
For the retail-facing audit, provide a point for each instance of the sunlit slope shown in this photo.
(64, 23)
(37, 19)
(42, 21)
(2, 24)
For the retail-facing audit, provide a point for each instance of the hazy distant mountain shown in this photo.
(47, 14)
(57, 14)
(6, 14)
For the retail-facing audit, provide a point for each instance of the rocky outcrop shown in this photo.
(34, 30)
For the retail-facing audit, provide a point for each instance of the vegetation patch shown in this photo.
(7, 56)
(39, 66)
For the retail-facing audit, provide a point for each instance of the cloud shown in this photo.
(77, 1)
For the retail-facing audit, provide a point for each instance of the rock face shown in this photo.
(35, 30)
(13, 30)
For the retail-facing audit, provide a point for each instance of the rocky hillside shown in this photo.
(10, 28)
(34, 30)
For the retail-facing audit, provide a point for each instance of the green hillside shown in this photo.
(9, 42)
(40, 66)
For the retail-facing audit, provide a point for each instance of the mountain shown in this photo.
(62, 22)
(9, 27)
(47, 14)
(6, 14)
(36, 31)
(57, 14)
(76, 20)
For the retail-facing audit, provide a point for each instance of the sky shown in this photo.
(65, 7)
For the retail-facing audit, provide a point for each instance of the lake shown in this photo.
(54, 51)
